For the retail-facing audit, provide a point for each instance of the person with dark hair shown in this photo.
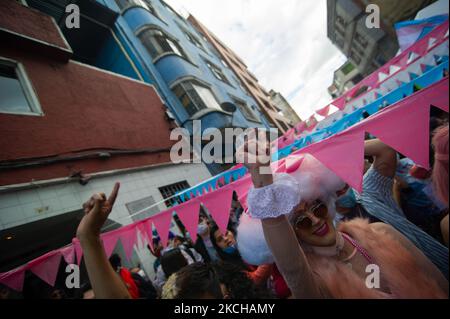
(174, 257)
(225, 245)
(172, 261)
(204, 245)
(195, 281)
(236, 284)
(227, 250)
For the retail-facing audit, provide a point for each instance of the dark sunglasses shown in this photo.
(318, 208)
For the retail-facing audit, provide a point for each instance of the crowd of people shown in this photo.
(306, 234)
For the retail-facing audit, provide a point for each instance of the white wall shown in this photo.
(21, 207)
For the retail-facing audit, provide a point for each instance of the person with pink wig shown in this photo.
(291, 221)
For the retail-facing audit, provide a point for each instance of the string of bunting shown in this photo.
(342, 152)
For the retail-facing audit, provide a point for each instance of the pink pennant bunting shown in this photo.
(324, 111)
(218, 205)
(395, 126)
(68, 253)
(109, 242)
(46, 267)
(144, 229)
(128, 240)
(188, 214)
(437, 95)
(13, 279)
(241, 188)
(162, 223)
(78, 250)
(343, 154)
(340, 102)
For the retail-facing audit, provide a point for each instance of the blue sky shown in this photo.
(284, 43)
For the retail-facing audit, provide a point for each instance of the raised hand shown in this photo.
(254, 153)
(96, 210)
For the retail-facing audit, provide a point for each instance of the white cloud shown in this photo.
(284, 43)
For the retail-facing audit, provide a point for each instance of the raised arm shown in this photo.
(385, 158)
(279, 235)
(106, 284)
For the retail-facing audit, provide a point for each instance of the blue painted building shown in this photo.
(162, 48)
(149, 41)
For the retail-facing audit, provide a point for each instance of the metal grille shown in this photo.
(170, 190)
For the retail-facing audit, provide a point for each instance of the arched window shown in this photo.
(158, 43)
(146, 4)
(195, 96)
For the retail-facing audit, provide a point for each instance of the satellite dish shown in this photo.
(228, 107)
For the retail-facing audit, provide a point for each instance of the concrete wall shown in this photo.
(84, 109)
(26, 206)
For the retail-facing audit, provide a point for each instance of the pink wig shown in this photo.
(440, 169)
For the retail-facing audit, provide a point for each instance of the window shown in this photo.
(195, 97)
(241, 85)
(217, 72)
(246, 110)
(193, 39)
(146, 4)
(358, 50)
(16, 93)
(341, 21)
(224, 63)
(347, 68)
(361, 40)
(169, 8)
(159, 43)
(355, 57)
(170, 190)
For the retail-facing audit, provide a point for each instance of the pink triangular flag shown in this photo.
(241, 188)
(162, 223)
(46, 267)
(78, 250)
(188, 214)
(13, 279)
(109, 242)
(68, 253)
(128, 240)
(340, 102)
(437, 94)
(407, 131)
(219, 205)
(144, 232)
(344, 155)
(324, 111)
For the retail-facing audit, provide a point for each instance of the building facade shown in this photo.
(344, 79)
(368, 49)
(247, 81)
(286, 109)
(148, 40)
(68, 130)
